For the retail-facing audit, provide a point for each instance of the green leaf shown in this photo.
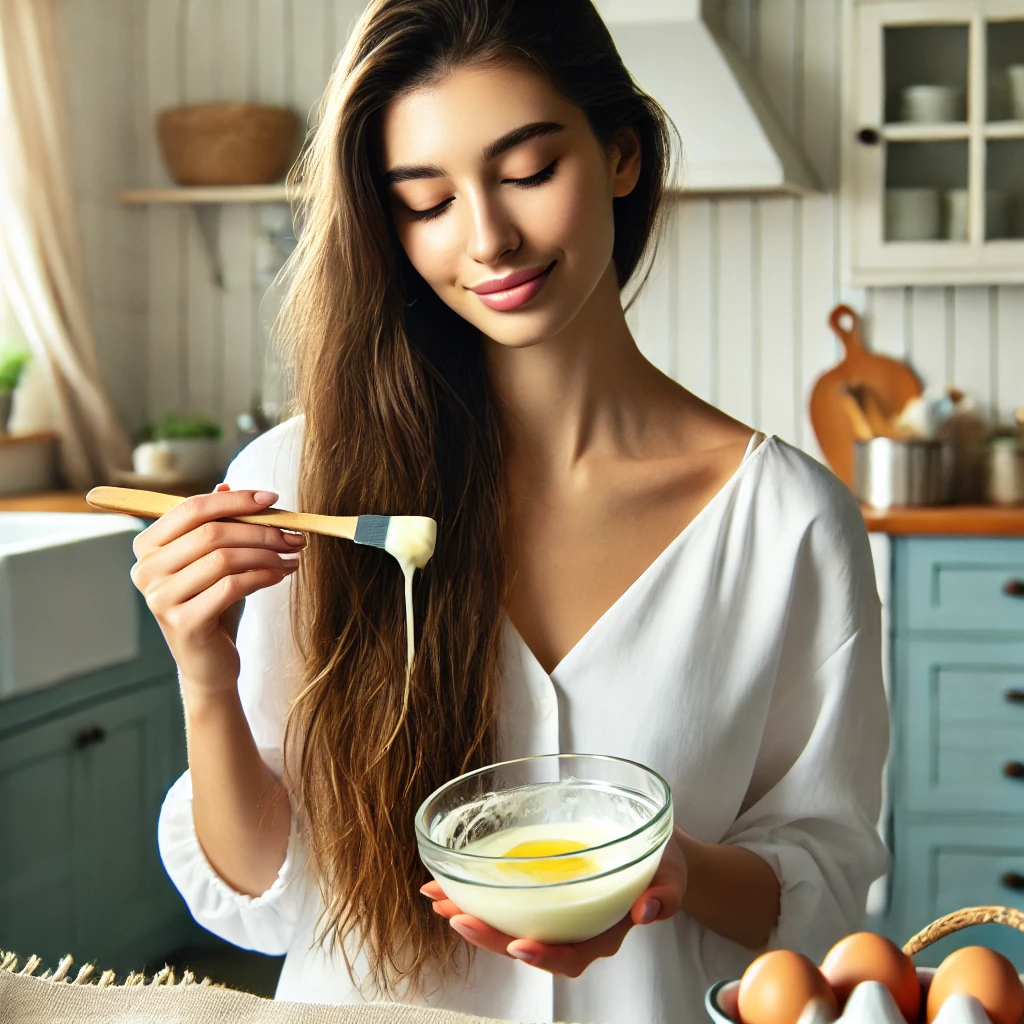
(13, 360)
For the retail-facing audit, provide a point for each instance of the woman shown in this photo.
(620, 568)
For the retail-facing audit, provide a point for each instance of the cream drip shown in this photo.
(411, 540)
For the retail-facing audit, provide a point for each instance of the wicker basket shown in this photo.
(227, 143)
(963, 919)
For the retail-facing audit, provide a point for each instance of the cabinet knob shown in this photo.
(1013, 770)
(1011, 880)
(1014, 696)
(868, 137)
(90, 737)
(1014, 588)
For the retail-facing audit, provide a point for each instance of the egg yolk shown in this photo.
(563, 870)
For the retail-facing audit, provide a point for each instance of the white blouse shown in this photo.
(743, 665)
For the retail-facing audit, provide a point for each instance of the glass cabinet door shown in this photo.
(938, 144)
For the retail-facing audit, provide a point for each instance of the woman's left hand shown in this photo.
(660, 901)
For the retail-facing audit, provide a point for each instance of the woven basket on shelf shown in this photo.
(227, 143)
(959, 919)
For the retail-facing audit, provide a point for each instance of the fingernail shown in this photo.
(523, 954)
(295, 539)
(427, 894)
(464, 930)
(652, 908)
(289, 557)
(265, 497)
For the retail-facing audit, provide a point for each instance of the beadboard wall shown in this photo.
(736, 308)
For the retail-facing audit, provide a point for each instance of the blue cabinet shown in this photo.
(957, 766)
(84, 767)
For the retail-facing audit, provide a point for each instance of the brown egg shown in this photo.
(866, 956)
(777, 986)
(984, 974)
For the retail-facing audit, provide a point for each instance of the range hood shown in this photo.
(732, 139)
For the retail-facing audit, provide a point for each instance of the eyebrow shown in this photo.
(516, 137)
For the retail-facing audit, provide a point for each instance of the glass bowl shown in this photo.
(555, 848)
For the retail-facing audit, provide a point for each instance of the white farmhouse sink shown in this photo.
(67, 603)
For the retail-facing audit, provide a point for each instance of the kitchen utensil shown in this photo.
(911, 214)
(476, 837)
(372, 530)
(1005, 477)
(931, 104)
(893, 383)
(1015, 75)
(888, 472)
(227, 143)
(880, 424)
(721, 999)
(858, 421)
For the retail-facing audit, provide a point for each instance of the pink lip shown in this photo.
(514, 290)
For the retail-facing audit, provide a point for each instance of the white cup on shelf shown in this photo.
(1015, 75)
(956, 214)
(911, 214)
(932, 104)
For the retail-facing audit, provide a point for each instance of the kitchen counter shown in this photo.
(50, 501)
(947, 521)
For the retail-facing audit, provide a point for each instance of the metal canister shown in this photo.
(1006, 470)
(889, 472)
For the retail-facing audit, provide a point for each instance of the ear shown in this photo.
(624, 161)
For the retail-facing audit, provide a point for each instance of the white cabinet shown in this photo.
(933, 141)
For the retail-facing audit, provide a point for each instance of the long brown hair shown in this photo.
(400, 419)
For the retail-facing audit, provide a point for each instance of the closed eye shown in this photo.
(532, 181)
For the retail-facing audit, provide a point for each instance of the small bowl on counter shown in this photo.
(555, 848)
(893, 472)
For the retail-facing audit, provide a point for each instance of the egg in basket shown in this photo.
(867, 979)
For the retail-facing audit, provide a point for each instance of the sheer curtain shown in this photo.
(41, 270)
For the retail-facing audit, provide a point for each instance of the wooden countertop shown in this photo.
(947, 521)
(951, 520)
(51, 501)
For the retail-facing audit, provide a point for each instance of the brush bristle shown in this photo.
(372, 530)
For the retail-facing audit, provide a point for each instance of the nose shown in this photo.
(493, 233)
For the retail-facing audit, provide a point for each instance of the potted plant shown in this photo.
(13, 360)
(179, 444)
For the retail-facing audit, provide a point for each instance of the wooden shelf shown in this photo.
(207, 194)
(947, 521)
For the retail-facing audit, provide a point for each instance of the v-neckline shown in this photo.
(652, 567)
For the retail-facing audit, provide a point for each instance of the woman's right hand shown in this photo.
(195, 571)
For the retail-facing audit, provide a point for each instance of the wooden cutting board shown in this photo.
(891, 382)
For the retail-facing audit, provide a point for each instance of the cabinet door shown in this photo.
(961, 585)
(121, 777)
(961, 714)
(37, 840)
(944, 868)
(933, 152)
(80, 794)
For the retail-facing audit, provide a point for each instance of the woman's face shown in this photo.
(493, 173)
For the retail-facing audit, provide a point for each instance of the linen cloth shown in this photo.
(743, 665)
(27, 999)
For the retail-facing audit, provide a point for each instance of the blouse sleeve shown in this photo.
(268, 922)
(813, 801)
